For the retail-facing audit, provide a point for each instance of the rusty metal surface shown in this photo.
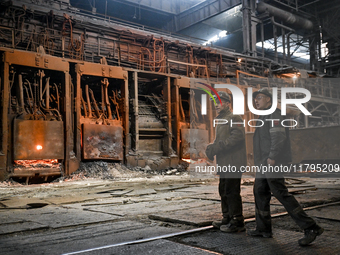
(102, 142)
(31, 172)
(194, 142)
(28, 134)
(101, 70)
(38, 60)
(150, 147)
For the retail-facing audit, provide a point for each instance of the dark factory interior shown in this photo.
(120, 83)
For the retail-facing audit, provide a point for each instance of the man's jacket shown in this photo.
(271, 140)
(229, 145)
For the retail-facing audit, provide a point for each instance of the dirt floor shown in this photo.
(107, 203)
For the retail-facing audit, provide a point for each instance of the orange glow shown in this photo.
(39, 147)
(34, 163)
(192, 161)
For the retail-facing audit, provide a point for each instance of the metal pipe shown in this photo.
(284, 16)
(32, 96)
(103, 99)
(21, 93)
(41, 74)
(29, 99)
(84, 107)
(280, 25)
(88, 100)
(47, 93)
(95, 103)
(107, 102)
(143, 240)
(56, 87)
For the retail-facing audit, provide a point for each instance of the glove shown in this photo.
(209, 152)
(223, 145)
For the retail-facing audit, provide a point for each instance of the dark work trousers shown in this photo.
(262, 192)
(231, 201)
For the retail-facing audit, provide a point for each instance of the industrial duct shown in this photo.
(285, 16)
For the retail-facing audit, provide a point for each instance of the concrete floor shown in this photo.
(104, 216)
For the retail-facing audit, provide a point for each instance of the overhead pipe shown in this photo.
(282, 26)
(285, 16)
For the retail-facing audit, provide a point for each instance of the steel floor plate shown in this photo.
(163, 247)
(283, 243)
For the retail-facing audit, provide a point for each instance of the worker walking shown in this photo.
(271, 145)
(230, 150)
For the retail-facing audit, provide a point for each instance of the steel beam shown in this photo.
(246, 26)
(175, 117)
(167, 100)
(199, 13)
(4, 121)
(160, 6)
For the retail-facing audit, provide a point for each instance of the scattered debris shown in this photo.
(247, 182)
(114, 171)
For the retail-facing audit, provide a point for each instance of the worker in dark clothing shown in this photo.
(271, 145)
(230, 150)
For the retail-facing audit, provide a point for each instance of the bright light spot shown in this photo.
(239, 60)
(222, 34)
(214, 39)
(39, 147)
(324, 50)
(269, 45)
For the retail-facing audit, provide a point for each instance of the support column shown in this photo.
(68, 124)
(283, 43)
(288, 47)
(176, 117)
(4, 120)
(246, 26)
(126, 123)
(313, 49)
(167, 99)
(275, 42)
(77, 117)
(253, 24)
(135, 109)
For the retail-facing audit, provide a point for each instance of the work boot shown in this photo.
(310, 235)
(259, 233)
(219, 223)
(235, 225)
